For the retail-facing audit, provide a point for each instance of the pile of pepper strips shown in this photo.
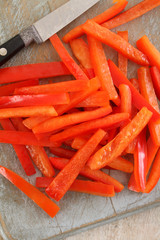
(101, 114)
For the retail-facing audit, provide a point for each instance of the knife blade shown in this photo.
(43, 29)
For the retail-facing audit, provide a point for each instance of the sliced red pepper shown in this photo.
(34, 100)
(28, 111)
(37, 153)
(112, 133)
(107, 14)
(154, 174)
(22, 138)
(155, 73)
(123, 61)
(20, 150)
(132, 185)
(30, 71)
(150, 50)
(140, 161)
(70, 119)
(31, 122)
(132, 13)
(131, 147)
(151, 153)
(138, 100)
(7, 90)
(38, 197)
(106, 122)
(101, 68)
(79, 141)
(95, 188)
(78, 97)
(147, 91)
(95, 175)
(62, 152)
(81, 52)
(115, 41)
(60, 87)
(126, 98)
(89, 72)
(121, 164)
(97, 99)
(114, 148)
(67, 59)
(66, 177)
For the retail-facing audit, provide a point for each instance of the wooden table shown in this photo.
(142, 226)
(15, 15)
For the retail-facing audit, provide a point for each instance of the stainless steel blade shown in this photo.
(62, 16)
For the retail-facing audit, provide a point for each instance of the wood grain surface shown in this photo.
(21, 218)
(142, 226)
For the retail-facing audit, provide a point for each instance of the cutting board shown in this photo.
(20, 218)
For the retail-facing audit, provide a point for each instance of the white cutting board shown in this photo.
(20, 218)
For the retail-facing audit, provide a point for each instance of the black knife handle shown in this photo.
(10, 48)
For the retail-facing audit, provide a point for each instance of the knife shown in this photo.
(43, 29)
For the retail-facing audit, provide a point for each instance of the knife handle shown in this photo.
(10, 48)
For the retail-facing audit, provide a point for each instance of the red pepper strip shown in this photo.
(39, 198)
(37, 153)
(89, 72)
(67, 59)
(131, 147)
(95, 175)
(95, 188)
(74, 110)
(62, 152)
(106, 122)
(132, 185)
(34, 100)
(123, 61)
(28, 111)
(101, 68)
(132, 13)
(30, 71)
(121, 164)
(60, 87)
(22, 138)
(146, 87)
(115, 41)
(138, 100)
(149, 49)
(7, 90)
(140, 161)
(126, 98)
(154, 174)
(31, 122)
(97, 99)
(151, 153)
(70, 119)
(109, 13)
(147, 91)
(66, 177)
(79, 142)
(155, 73)
(114, 148)
(81, 52)
(20, 150)
(112, 133)
(79, 96)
